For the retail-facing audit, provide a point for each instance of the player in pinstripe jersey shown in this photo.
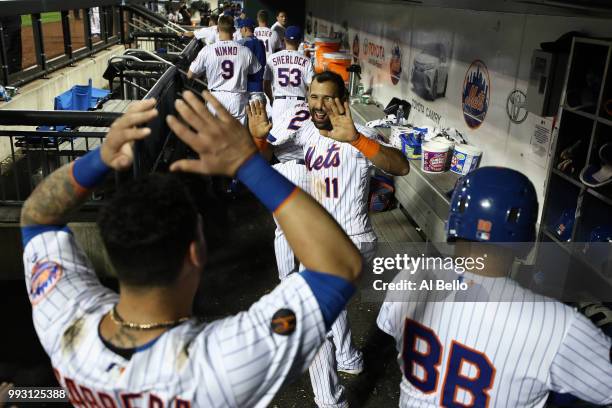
(278, 32)
(209, 34)
(142, 347)
(494, 344)
(227, 65)
(291, 165)
(287, 75)
(338, 155)
(263, 32)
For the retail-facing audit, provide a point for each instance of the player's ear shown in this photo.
(197, 254)
(197, 248)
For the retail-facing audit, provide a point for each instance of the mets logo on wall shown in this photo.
(395, 65)
(45, 275)
(476, 94)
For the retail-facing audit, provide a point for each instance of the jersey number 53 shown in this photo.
(469, 373)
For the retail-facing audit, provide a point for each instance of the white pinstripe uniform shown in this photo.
(291, 73)
(264, 34)
(291, 158)
(505, 347)
(207, 34)
(339, 181)
(277, 39)
(237, 361)
(227, 65)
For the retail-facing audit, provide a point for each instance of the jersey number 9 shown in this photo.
(228, 69)
(469, 374)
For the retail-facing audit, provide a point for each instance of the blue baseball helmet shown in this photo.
(493, 204)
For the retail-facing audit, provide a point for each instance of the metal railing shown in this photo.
(36, 153)
(58, 39)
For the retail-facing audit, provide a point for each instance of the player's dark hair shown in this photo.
(214, 18)
(328, 76)
(278, 13)
(147, 228)
(262, 15)
(226, 24)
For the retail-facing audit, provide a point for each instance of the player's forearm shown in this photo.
(53, 199)
(391, 161)
(317, 240)
(315, 237)
(385, 158)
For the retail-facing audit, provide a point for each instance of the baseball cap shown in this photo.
(247, 22)
(293, 33)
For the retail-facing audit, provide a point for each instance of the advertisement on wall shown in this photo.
(458, 68)
(431, 63)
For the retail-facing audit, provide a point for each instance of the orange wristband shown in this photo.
(262, 144)
(368, 147)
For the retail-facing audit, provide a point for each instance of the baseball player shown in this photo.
(208, 35)
(255, 87)
(338, 156)
(494, 344)
(278, 32)
(143, 347)
(287, 75)
(263, 32)
(227, 65)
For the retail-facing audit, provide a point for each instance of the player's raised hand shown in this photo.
(221, 142)
(342, 122)
(259, 125)
(116, 151)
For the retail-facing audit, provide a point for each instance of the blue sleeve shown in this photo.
(332, 293)
(29, 232)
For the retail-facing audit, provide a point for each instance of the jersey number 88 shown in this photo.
(468, 371)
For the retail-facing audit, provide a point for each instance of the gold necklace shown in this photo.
(143, 326)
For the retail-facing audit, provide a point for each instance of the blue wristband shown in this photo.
(89, 170)
(332, 293)
(270, 187)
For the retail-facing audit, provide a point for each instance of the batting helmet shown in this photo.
(493, 204)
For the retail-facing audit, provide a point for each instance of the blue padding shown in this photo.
(332, 293)
(270, 187)
(80, 97)
(29, 232)
(90, 170)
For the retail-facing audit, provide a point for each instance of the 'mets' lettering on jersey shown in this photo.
(330, 159)
(290, 60)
